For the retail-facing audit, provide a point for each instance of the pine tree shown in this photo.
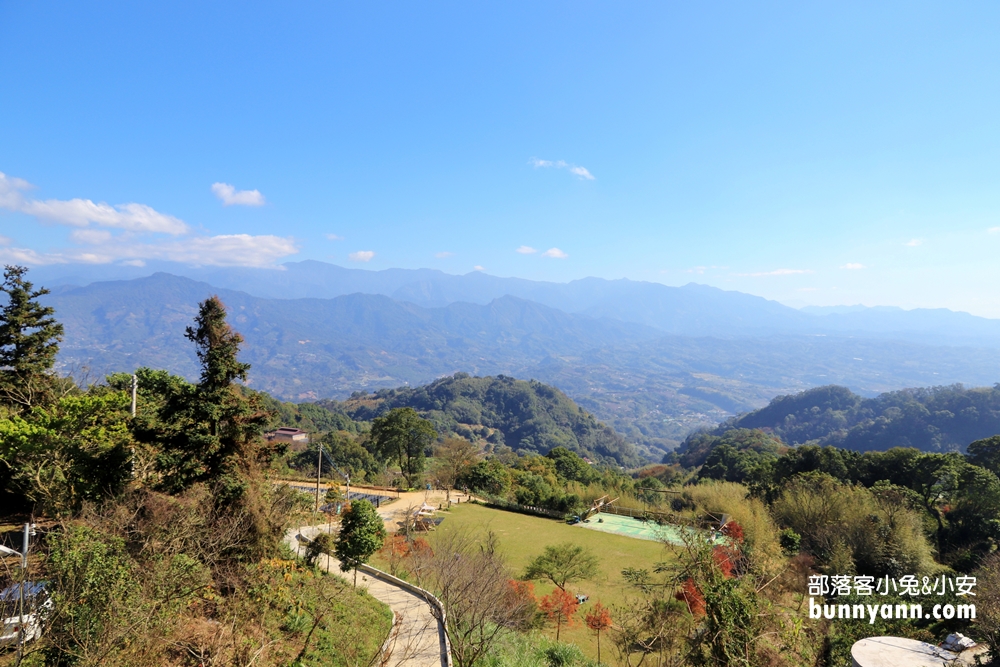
(215, 431)
(29, 342)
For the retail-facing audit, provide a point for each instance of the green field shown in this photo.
(523, 537)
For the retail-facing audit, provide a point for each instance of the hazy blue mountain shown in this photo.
(652, 387)
(305, 348)
(927, 324)
(691, 310)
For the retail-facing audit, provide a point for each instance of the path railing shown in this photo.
(500, 503)
(435, 604)
(437, 608)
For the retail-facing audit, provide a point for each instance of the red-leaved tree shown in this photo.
(598, 620)
(560, 607)
(691, 596)
(734, 532)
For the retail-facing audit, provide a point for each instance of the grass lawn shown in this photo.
(523, 537)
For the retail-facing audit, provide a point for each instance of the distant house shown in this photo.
(288, 434)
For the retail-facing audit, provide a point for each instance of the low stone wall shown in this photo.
(420, 592)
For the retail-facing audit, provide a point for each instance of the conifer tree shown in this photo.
(29, 342)
(217, 427)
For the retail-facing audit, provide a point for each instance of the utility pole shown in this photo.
(319, 470)
(135, 386)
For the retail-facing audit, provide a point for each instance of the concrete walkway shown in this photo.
(417, 636)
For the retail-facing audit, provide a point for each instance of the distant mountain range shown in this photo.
(691, 310)
(651, 360)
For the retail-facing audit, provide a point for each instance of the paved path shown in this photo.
(417, 636)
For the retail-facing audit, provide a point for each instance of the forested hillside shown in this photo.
(933, 419)
(526, 416)
(652, 387)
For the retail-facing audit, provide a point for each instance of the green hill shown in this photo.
(933, 419)
(523, 415)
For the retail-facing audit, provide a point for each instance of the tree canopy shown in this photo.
(362, 533)
(562, 564)
(402, 436)
(29, 342)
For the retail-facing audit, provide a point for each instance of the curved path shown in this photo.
(417, 637)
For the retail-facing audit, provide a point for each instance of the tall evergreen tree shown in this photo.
(29, 342)
(214, 429)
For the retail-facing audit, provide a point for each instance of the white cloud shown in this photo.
(29, 257)
(581, 172)
(443, 255)
(5, 240)
(478, 268)
(776, 272)
(91, 236)
(361, 256)
(131, 221)
(700, 270)
(222, 250)
(526, 250)
(334, 237)
(229, 250)
(913, 243)
(993, 230)
(853, 266)
(82, 212)
(555, 252)
(230, 196)
(10, 191)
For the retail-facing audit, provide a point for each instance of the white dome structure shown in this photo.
(897, 652)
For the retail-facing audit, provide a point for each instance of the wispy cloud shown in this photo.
(853, 266)
(222, 250)
(362, 256)
(478, 268)
(128, 233)
(82, 212)
(444, 254)
(334, 237)
(555, 253)
(526, 250)
(701, 269)
(91, 236)
(776, 272)
(10, 191)
(993, 230)
(581, 172)
(230, 196)
(5, 240)
(913, 243)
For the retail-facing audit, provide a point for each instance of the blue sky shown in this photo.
(814, 153)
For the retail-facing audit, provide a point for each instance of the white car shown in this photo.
(21, 620)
